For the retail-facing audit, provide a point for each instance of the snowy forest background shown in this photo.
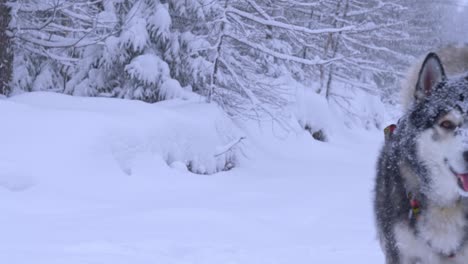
(252, 57)
(109, 152)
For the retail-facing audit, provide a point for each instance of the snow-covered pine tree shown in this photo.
(134, 60)
(98, 48)
(130, 65)
(49, 38)
(190, 50)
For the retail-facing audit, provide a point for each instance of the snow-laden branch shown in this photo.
(68, 61)
(65, 43)
(282, 56)
(258, 9)
(357, 84)
(372, 27)
(83, 18)
(287, 26)
(370, 46)
(54, 28)
(374, 68)
(256, 103)
(301, 4)
(228, 147)
(362, 11)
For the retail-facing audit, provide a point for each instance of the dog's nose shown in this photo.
(465, 156)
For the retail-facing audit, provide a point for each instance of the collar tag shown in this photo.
(415, 209)
(388, 131)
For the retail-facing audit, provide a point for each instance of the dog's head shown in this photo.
(439, 114)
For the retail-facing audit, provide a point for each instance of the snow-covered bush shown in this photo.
(325, 118)
(314, 114)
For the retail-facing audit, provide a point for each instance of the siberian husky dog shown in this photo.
(421, 188)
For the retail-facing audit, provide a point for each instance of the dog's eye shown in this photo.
(449, 125)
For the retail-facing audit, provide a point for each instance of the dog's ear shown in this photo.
(431, 73)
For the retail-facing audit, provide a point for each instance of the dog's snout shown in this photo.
(465, 156)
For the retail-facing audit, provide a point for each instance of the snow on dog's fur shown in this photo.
(425, 162)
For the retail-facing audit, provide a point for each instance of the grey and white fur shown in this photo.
(427, 159)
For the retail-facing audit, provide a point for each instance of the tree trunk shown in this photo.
(327, 47)
(6, 53)
(335, 46)
(304, 53)
(214, 75)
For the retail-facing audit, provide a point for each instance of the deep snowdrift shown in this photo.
(92, 180)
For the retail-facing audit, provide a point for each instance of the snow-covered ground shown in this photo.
(103, 181)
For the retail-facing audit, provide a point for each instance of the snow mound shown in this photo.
(14, 177)
(99, 132)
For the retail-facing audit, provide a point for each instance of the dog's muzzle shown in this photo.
(462, 178)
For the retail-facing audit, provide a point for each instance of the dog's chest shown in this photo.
(441, 232)
(443, 228)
